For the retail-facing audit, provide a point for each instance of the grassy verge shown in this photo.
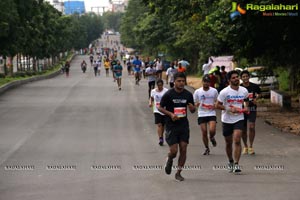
(16, 77)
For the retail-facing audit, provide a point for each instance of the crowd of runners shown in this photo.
(170, 105)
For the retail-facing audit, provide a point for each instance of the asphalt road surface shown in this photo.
(80, 138)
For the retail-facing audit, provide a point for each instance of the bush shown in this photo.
(2, 75)
(19, 74)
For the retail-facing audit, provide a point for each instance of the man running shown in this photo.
(112, 64)
(170, 74)
(107, 66)
(159, 68)
(254, 93)
(154, 101)
(137, 64)
(231, 100)
(205, 99)
(95, 65)
(174, 105)
(151, 74)
(92, 59)
(118, 73)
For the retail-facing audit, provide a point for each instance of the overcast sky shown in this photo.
(95, 3)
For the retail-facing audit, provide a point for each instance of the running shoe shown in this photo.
(178, 177)
(161, 141)
(168, 166)
(237, 168)
(213, 141)
(251, 151)
(206, 152)
(245, 151)
(230, 167)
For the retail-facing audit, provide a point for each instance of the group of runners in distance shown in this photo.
(170, 106)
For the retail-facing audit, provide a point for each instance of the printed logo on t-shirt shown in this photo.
(179, 101)
(235, 99)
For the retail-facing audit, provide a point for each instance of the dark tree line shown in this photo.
(36, 30)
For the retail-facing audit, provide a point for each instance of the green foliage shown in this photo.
(197, 29)
(283, 79)
(112, 20)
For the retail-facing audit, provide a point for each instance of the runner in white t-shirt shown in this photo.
(156, 95)
(205, 99)
(231, 101)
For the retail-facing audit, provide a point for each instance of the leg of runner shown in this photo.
(212, 132)
(229, 140)
(160, 132)
(171, 155)
(119, 83)
(237, 134)
(251, 137)
(181, 160)
(203, 127)
(245, 135)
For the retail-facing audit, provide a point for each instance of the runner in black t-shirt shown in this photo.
(254, 93)
(174, 105)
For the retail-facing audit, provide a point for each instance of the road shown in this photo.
(81, 138)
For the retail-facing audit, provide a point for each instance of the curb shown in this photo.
(15, 84)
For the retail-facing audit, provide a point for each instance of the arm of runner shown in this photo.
(191, 104)
(151, 100)
(170, 114)
(192, 107)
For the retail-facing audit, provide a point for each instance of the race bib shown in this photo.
(251, 96)
(180, 111)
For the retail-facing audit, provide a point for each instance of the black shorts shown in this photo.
(175, 135)
(159, 119)
(206, 119)
(159, 71)
(229, 128)
(151, 84)
(251, 117)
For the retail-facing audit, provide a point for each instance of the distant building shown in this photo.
(72, 7)
(59, 5)
(118, 5)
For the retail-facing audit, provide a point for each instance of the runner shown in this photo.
(83, 66)
(99, 66)
(230, 101)
(205, 99)
(151, 74)
(107, 66)
(128, 64)
(137, 64)
(118, 73)
(170, 74)
(67, 68)
(154, 101)
(174, 105)
(254, 93)
(159, 68)
(95, 65)
(92, 59)
(112, 64)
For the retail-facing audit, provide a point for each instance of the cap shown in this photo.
(205, 78)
